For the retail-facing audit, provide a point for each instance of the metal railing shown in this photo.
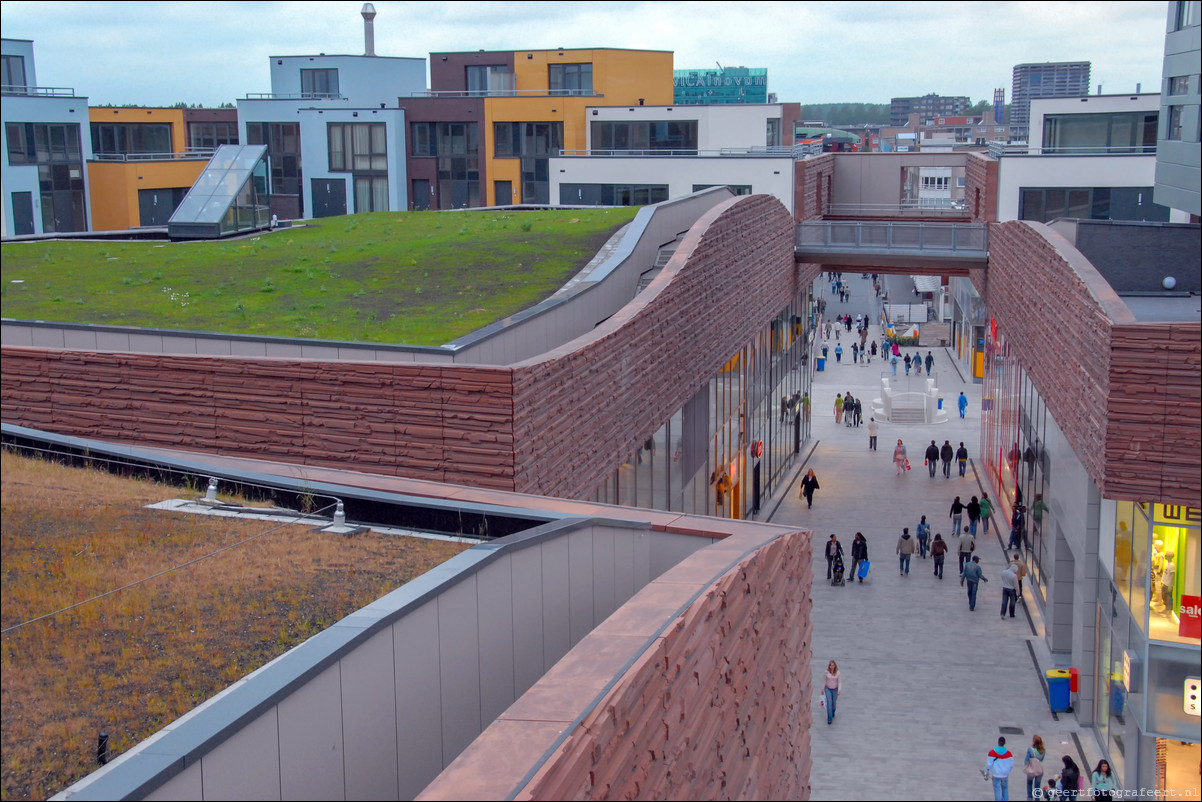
(185, 155)
(763, 151)
(37, 91)
(909, 236)
(951, 208)
(998, 150)
(293, 96)
(507, 93)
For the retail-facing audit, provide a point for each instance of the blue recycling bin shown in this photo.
(1058, 689)
(821, 363)
(941, 402)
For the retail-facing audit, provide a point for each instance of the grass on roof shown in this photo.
(411, 278)
(131, 662)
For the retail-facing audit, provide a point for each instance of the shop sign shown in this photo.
(1176, 515)
(1191, 617)
(1193, 705)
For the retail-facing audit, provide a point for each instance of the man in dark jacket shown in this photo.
(833, 549)
(932, 457)
(962, 458)
(946, 453)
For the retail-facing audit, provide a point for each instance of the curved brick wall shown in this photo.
(1125, 393)
(553, 425)
(711, 682)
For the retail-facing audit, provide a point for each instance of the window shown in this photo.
(1179, 85)
(43, 143)
(371, 193)
(490, 79)
(612, 194)
(772, 135)
(676, 135)
(131, 138)
(212, 135)
(1174, 130)
(1186, 14)
(570, 79)
(358, 148)
(283, 153)
(319, 83)
(13, 75)
(738, 189)
(1044, 204)
(936, 182)
(1120, 132)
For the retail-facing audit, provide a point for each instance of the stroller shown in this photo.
(837, 570)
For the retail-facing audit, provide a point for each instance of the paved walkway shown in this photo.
(927, 685)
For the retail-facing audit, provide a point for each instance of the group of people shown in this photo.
(911, 362)
(1070, 784)
(945, 454)
(848, 410)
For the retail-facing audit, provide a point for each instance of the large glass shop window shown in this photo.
(1175, 584)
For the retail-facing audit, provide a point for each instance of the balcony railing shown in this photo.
(293, 96)
(950, 208)
(37, 91)
(508, 93)
(997, 150)
(187, 154)
(764, 152)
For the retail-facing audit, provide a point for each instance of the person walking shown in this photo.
(956, 514)
(932, 458)
(998, 765)
(986, 512)
(917, 363)
(1016, 527)
(849, 409)
(923, 532)
(1070, 779)
(833, 688)
(1022, 572)
(930, 362)
(946, 453)
(905, 549)
(962, 403)
(1009, 589)
(1102, 781)
(839, 356)
(973, 508)
(838, 407)
(859, 551)
(938, 553)
(968, 545)
(899, 458)
(1033, 765)
(907, 361)
(855, 352)
(972, 576)
(809, 484)
(833, 549)
(859, 414)
(962, 458)
(872, 429)
(893, 364)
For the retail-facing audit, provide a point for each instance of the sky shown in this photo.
(160, 53)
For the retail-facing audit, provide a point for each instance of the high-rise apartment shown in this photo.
(926, 107)
(1050, 79)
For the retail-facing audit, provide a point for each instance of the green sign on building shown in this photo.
(720, 85)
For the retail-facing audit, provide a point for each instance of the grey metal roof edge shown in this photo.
(200, 467)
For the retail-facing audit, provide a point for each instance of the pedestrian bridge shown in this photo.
(953, 248)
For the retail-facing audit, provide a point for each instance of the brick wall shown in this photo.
(555, 425)
(714, 705)
(586, 406)
(811, 176)
(980, 187)
(1125, 393)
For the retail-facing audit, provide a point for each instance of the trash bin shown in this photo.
(1058, 687)
(941, 402)
(821, 363)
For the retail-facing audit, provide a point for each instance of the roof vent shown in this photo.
(369, 31)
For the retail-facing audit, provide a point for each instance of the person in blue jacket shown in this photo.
(963, 404)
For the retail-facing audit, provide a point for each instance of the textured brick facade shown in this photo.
(714, 705)
(1125, 394)
(980, 187)
(553, 426)
(586, 406)
(812, 179)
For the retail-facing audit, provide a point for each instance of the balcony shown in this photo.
(188, 154)
(36, 91)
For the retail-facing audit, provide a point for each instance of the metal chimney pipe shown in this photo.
(369, 31)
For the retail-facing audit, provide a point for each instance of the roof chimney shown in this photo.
(369, 31)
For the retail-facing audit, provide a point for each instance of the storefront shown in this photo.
(728, 449)
(1148, 631)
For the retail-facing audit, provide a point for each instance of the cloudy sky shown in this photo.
(159, 53)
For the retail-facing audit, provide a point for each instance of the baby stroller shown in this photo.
(837, 570)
